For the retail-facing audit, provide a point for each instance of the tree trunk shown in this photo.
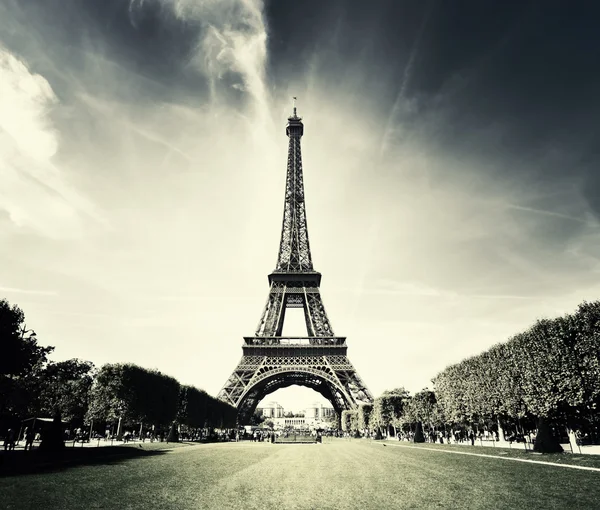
(545, 442)
(501, 438)
(52, 440)
(173, 436)
(419, 437)
(119, 429)
(573, 441)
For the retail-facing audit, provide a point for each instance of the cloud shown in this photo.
(400, 103)
(232, 49)
(25, 101)
(544, 212)
(409, 289)
(418, 289)
(35, 292)
(110, 110)
(35, 192)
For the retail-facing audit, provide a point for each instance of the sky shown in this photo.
(451, 162)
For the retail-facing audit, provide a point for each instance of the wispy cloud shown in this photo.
(554, 214)
(34, 192)
(417, 289)
(111, 110)
(233, 40)
(399, 103)
(36, 292)
(409, 289)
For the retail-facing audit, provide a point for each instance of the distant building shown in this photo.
(271, 410)
(319, 412)
(291, 423)
(315, 416)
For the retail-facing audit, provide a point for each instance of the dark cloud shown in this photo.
(511, 82)
(65, 39)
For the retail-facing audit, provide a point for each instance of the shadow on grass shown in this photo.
(29, 462)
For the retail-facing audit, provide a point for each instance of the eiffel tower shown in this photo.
(271, 361)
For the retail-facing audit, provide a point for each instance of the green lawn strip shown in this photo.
(150, 482)
(335, 475)
(515, 452)
(483, 482)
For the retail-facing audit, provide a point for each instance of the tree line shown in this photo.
(121, 394)
(545, 379)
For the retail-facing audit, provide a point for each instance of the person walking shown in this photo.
(29, 437)
(9, 440)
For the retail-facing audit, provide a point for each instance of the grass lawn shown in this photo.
(339, 474)
(517, 452)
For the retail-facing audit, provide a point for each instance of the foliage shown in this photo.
(333, 422)
(257, 418)
(135, 394)
(220, 414)
(20, 352)
(363, 413)
(108, 394)
(21, 361)
(64, 387)
(551, 370)
(389, 409)
(194, 407)
(423, 408)
(350, 420)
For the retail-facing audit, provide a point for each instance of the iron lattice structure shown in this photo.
(271, 361)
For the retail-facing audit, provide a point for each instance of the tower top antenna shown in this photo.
(295, 106)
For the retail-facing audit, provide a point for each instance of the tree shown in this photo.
(52, 440)
(257, 418)
(364, 412)
(193, 407)
(547, 375)
(419, 437)
(388, 410)
(21, 361)
(545, 440)
(108, 399)
(586, 322)
(423, 409)
(134, 394)
(220, 414)
(332, 422)
(20, 351)
(64, 387)
(350, 420)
